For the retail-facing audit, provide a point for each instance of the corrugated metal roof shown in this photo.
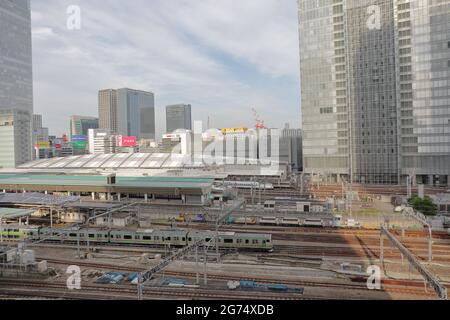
(8, 213)
(93, 180)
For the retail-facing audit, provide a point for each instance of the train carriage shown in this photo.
(16, 232)
(290, 222)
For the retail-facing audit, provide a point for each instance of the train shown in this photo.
(249, 185)
(172, 237)
(289, 221)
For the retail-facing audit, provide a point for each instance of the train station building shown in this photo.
(170, 190)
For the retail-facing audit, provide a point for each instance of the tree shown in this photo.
(425, 205)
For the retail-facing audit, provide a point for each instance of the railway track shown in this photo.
(120, 292)
(390, 286)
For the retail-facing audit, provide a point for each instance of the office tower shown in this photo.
(375, 80)
(127, 112)
(107, 110)
(79, 125)
(178, 117)
(16, 85)
(136, 113)
(15, 137)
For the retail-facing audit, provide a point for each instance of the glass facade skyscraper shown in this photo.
(375, 77)
(178, 116)
(127, 112)
(16, 83)
(136, 113)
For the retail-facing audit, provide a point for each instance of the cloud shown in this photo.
(222, 57)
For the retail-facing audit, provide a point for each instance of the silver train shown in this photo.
(176, 238)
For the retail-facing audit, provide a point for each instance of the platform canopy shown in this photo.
(35, 198)
(8, 213)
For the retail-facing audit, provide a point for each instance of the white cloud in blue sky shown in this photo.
(222, 56)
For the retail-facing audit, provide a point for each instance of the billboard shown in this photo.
(79, 138)
(123, 141)
(43, 145)
(79, 145)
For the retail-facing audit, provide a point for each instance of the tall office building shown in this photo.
(127, 112)
(107, 110)
(375, 77)
(136, 113)
(15, 138)
(79, 125)
(16, 83)
(178, 117)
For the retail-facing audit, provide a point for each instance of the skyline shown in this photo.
(252, 63)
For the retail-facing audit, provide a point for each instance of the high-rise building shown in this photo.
(127, 112)
(375, 77)
(79, 125)
(136, 113)
(178, 117)
(107, 110)
(15, 138)
(16, 83)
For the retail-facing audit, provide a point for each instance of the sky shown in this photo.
(222, 57)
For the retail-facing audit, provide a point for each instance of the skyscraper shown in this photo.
(375, 89)
(16, 83)
(178, 117)
(136, 113)
(127, 112)
(79, 125)
(107, 110)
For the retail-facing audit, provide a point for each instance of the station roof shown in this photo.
(87, 183)
(34, 198)
(92, 205)
(8, 213)
(33, 179)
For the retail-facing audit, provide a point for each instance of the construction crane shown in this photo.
(259, 123)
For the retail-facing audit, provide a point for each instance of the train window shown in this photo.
(147, 238)
(127, 237)
(73, 235)
(190, 239)
(183, 239)
(157, 239)
(118, 236)
(255, 241)
(81, 235)
(137, 237)
(208, 240)
(91, 236)
(228, 240)
(239, 241)
(176, 239)
(247, 241)
(168, 239)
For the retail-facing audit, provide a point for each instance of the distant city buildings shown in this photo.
(178, 117)
(16, 83)
(376, 90)
(127, 112)
(80, 125)
(40, 138)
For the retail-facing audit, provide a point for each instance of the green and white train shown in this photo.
(175, 238)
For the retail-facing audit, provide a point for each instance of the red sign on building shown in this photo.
(123, 141)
